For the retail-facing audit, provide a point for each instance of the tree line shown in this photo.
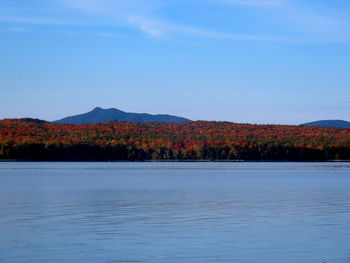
(199, 140)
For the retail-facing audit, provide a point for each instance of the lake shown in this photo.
(175, 212)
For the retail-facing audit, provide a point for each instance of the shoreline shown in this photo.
(177, 161)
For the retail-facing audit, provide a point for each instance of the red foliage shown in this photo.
(189, 138)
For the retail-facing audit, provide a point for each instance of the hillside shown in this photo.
(98, 115)
(200, 140)
(329, 123)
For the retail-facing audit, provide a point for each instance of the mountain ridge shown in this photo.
(98, 115)
(328, 123)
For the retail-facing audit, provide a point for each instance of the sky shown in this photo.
(247, 61)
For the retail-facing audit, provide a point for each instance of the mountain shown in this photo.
(104, 115)
(329, 123)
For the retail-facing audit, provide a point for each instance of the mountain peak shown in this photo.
(98, 115)
(97, 109)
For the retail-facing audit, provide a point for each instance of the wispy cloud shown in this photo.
(317, 23)
(311, 23)
(132, 13)
(38, 20)
(100, 34)
(137, 14)
(154, 28)
(115, 7)
(160, 28)
(149, 18)
(15, 29)
(253, 3)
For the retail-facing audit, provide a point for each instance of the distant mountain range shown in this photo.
(98, 115)
(104, 115)
(329, 123)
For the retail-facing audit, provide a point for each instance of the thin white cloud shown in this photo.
(253, 3)
(146, 17)
(299, 17)
(154, 28)
(101, 34)
(92, 6)
(115, 7)
(157, 28)
(38, 21)
(132, 13)
(14, 29)
(317, 23)
(137, 14)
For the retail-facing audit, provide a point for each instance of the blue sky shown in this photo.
(256, 61)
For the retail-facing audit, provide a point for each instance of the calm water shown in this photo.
(175, 212)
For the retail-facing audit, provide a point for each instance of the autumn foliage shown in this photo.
(200, 140)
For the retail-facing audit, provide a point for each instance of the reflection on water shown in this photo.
(175, 212)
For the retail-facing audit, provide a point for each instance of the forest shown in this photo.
(35, 140)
